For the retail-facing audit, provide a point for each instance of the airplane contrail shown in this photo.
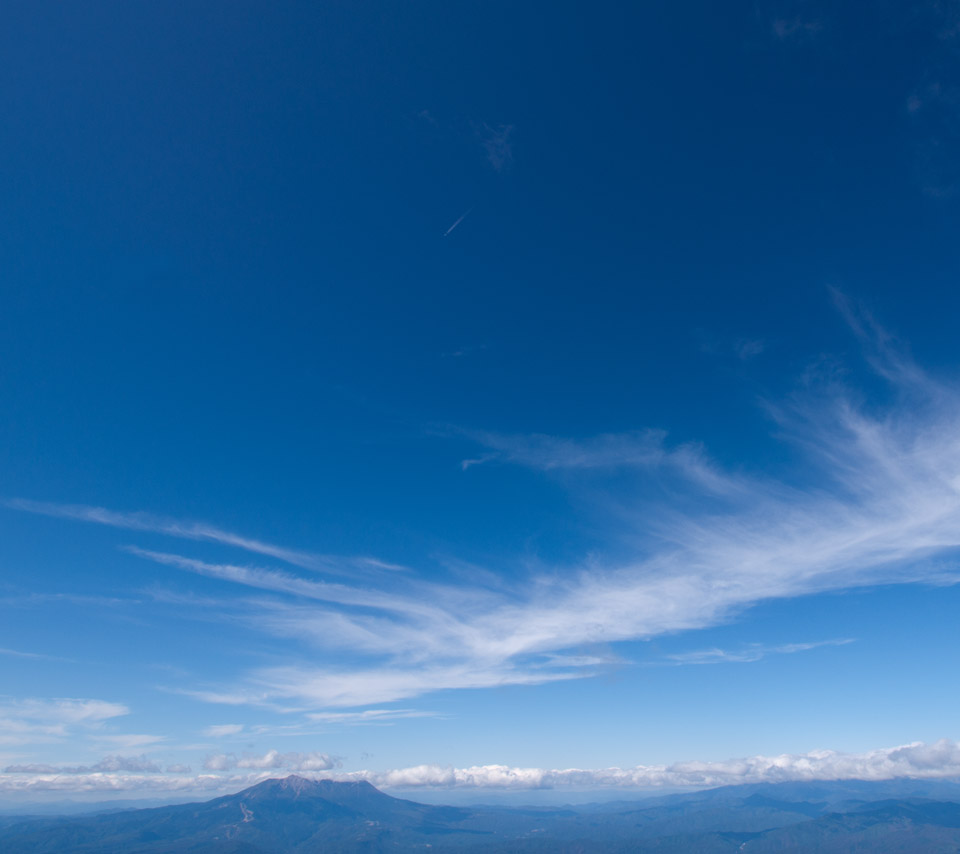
(462, 218)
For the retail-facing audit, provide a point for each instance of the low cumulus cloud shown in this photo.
(107, 765)
(179, 769)
(940, 759)
(918, 760)
(272, 760)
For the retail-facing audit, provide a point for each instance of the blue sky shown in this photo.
(455, 395)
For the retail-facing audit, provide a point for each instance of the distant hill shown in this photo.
(296, 816)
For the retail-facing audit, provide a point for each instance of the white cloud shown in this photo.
(220, 762)
(35, 656)
(131, 740)
(876, 500)
(221, 730)
(43, 599)
(368, 716)
(884, 505)
(126, 763)
(752, 652)
(282, 582)
(62, 710)
(31, 720)
(611, 450)
(101, 783)
(272, 760)
(917, 760)
(313, 762)
(138, 521)
(324, 688)
(640, 449)
(109, 764)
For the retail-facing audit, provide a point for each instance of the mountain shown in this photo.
(885, 827)
(297, 816)
(289, 815)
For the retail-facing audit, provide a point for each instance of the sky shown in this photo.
(478, 397)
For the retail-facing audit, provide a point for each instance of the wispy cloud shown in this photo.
(753, 652)
(885, 503)
(748, 348)
(62, 710)
(24, 721)
(129, 741)
(368, 716)
(282, 582)
(933, 113)
(611, 450)
(222, 730)
(643, 450)
(310, 687)
(932, 109)
(138, 521)
(876, 500)
(32, 656)
(27, 600)
(793, 21)
(795, 28)
(496, 142)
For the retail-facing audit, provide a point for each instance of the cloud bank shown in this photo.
(928, 761)
(918, 760)
(109, 764)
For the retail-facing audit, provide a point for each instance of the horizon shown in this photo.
(478, 399)
(476, 798)
(297, 814)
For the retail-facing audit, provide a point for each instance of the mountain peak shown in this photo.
(301, 787)
(295, 781)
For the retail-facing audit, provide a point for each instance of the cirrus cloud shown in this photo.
(874, 500)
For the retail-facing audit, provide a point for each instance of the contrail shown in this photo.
(462, 218)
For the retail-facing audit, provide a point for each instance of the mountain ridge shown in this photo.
(298, 815)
